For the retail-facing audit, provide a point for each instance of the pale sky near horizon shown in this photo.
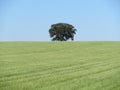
(30, 20)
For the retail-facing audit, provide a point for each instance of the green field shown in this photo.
(59, 65)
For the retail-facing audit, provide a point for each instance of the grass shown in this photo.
(59, 65)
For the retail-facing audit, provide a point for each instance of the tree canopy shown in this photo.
(62, 32)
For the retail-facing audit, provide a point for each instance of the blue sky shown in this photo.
(30, 20)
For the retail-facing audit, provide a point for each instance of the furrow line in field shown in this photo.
(46, 71)
(51, 77)
(77, 77)
(80, 64)
(52, 72)
(56, 69)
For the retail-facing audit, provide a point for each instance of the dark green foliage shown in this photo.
(62, 32)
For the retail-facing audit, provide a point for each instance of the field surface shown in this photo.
(59, 65)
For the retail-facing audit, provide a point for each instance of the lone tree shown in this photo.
(62, 32)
